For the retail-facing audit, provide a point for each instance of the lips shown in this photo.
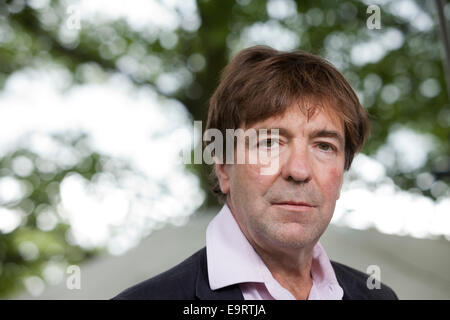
(294, 206)
(294, 203)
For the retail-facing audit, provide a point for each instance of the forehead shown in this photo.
(295, 118)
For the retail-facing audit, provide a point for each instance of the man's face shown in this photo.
(311, 168)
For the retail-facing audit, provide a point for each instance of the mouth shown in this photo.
(294, 206)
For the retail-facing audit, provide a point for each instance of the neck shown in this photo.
(291, 268)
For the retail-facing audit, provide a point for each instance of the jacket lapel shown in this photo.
(204, 292)
(347, 283)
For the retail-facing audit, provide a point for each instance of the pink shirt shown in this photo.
(232, 260)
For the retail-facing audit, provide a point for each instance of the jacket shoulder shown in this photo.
(355, 286)
(177, 283)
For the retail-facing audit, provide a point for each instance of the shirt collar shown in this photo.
(230, 257)
(231, 260)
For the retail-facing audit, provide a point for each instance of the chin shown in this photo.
(293, 243)
(294, 237)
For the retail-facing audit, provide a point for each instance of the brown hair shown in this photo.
(260, 82)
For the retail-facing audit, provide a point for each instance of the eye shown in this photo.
(269, 143)
(326, 147)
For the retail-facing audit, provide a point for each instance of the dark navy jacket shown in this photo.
(189, 281)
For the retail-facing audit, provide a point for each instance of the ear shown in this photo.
(223, 175)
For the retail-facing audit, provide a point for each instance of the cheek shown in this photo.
(249, 180)
(331, 183)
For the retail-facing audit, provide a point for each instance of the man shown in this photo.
(264, 243)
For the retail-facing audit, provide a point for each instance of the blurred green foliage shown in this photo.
(391, 88)
(42, 194)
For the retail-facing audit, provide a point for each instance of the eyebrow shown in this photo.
(324, 133)
(319, 133)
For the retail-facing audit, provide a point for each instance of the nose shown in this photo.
(297, 166)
